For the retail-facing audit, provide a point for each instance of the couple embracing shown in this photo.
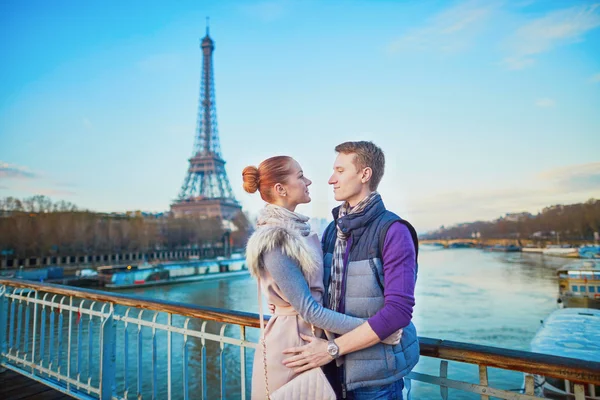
(348, 298)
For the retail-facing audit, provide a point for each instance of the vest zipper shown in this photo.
(342, 378)
(345, 267)
(345, 282)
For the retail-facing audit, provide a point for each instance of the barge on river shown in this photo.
(129, 276)
(579, 284)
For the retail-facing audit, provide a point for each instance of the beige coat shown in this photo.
(284, 328)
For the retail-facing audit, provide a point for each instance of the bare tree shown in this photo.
(38, 227)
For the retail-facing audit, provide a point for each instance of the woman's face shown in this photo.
(296, 187)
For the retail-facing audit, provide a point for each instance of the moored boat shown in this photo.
(532, 249)
(39, 274)
(579, 284)
(511, 248)
(568, 332)
(589, 252)
(561, 251)
(460, 245)
(169, 273)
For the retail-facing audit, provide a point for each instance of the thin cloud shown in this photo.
(52, 192)
(35, 190)
(450, 31)
(515, 63)
(575, 177)
(11, 171)
(492, 201)
(571, 170)
(66, 185)
(569, 184)
(595, 78)
(266, 11)
(21, 179)
(545, 102)
(524, 3)
(554, 29)
(86, 122)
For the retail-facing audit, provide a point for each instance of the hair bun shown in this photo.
(251, 179)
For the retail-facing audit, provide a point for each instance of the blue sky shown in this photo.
(481, 107)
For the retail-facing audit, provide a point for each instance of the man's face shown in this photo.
(347, 179)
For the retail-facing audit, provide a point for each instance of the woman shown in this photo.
(288, 260)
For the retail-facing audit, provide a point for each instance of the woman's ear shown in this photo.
(366, 175)
(280, 190)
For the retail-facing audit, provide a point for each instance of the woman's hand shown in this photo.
(311, 355)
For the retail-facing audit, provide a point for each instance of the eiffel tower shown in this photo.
(206, 191)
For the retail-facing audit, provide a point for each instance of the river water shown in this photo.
(465, 295)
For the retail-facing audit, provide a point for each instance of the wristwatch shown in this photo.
(333, 349)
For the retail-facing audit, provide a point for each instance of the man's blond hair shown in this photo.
(367, 155)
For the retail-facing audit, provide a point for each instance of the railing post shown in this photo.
(443, 375)
(3, 324)
(579, 391)
(169, 360)
(529, 385)
(483, 380)
(108, 337)
(243, 361)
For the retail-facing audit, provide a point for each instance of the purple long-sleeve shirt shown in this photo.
(399, 282)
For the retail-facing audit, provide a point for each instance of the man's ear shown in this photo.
(367, 173)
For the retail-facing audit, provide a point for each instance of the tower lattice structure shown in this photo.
(206, 190)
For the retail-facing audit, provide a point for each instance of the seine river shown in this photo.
(465, 295)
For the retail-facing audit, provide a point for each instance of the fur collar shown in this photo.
(291, 243)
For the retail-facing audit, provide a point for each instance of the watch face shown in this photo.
(332, 349)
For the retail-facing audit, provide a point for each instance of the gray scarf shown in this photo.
(273, 215)
(339, 250)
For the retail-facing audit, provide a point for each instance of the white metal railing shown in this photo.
(91, 344)
(97, 349)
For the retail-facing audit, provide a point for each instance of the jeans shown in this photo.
(392, 391)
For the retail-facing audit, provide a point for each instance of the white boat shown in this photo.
(568, 332)
(529, 249)
(560, 251)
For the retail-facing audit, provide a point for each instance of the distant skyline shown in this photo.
(482, 107)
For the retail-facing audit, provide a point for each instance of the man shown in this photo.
(370, 257)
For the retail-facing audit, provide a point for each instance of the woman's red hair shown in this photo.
(271, 171)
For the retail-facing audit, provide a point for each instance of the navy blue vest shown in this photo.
(375, 221)
(363, 294)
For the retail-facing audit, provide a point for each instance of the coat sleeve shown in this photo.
(290, 280)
